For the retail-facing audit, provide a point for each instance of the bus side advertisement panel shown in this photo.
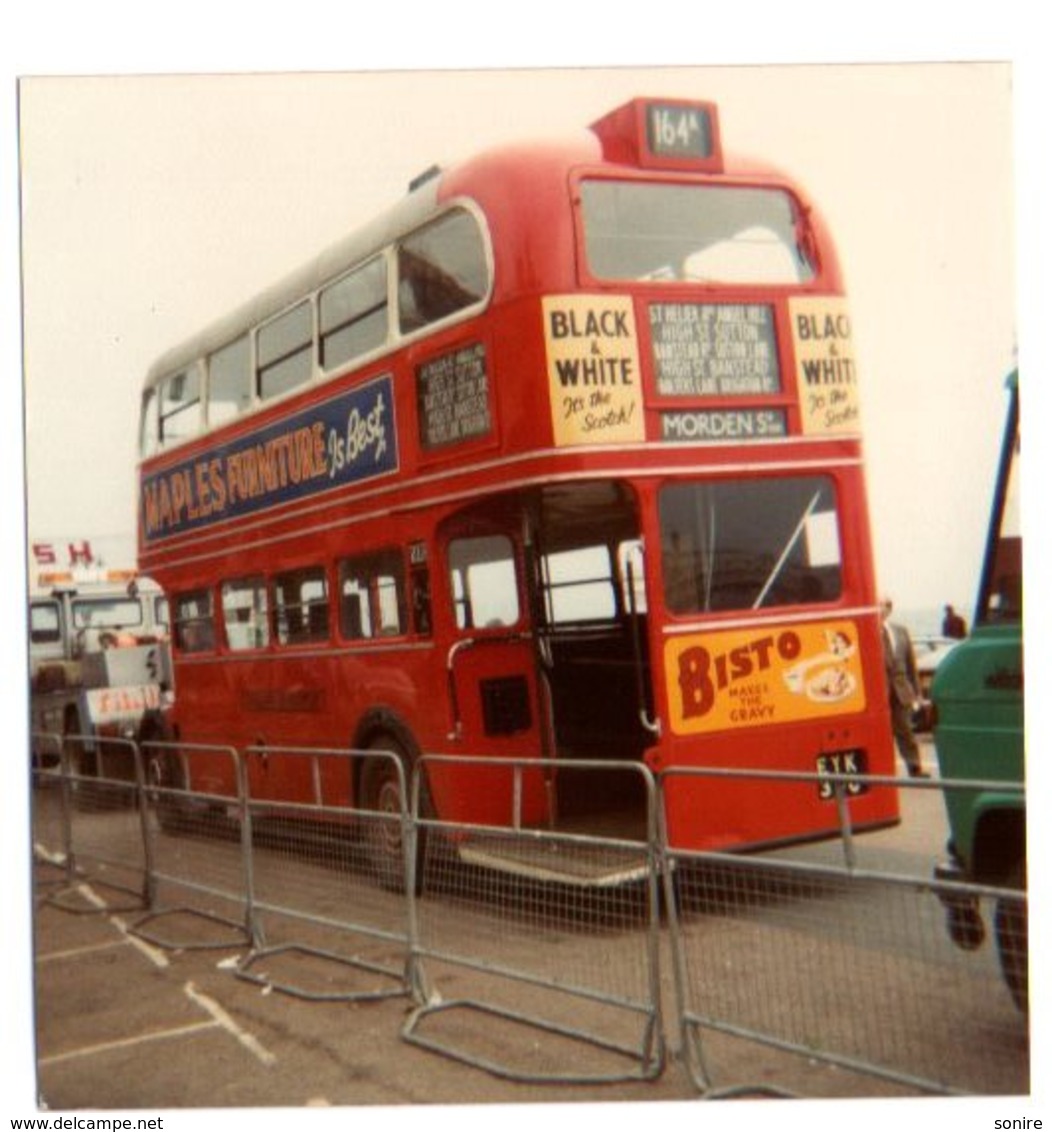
(345, 440)
(754, 677)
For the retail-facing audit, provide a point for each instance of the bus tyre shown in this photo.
(1010, 923)
(384, 835)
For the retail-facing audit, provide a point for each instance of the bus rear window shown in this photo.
(749, 544)
(694, 233)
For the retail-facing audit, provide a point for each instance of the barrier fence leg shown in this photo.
(253, 928)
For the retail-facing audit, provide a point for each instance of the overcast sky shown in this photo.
(151, 205)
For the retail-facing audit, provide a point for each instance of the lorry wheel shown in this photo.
(103, 769)
(1010, 922)
(82, 765)
(164, 773)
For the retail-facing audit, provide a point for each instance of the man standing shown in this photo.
(953, 625)
(901, 669)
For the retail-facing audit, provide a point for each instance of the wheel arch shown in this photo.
(1000, 844)
(384, 722)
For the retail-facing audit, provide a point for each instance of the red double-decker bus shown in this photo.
(558, 458)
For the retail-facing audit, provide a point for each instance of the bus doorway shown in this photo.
(586, 568)
(574, 612)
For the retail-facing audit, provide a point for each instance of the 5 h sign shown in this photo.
(63, 555)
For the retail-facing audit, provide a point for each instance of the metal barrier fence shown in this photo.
(194, 796)
(841, 953)
(51, 832)
(323, 869)
(502, 927)
(101, 817)
(534, 919)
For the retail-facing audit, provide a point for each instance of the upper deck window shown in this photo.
(180, 406)
(442, 269)
(283, 351)
(693, 233)
(149, 426)
(229, 381)
(353, 314)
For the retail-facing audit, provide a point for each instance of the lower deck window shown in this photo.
(301, 606)
(483, 581)
(372, 596)
(749, 544)
(193, 626)
(579, 586)
(245, 614)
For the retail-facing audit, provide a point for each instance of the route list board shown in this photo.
(453, 397)
(714, 349)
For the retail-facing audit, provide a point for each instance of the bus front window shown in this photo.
(749, 544)
(690, 233)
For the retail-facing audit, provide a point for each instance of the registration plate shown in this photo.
(841, 762)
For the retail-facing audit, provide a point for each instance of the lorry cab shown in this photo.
(98, 657)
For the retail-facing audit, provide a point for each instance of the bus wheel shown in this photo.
(381, 793)
(1010, 921)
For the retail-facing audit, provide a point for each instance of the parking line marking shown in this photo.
(154, 954)
(48, 856)
(249, 1041)
(125, 1043)
(76, 952)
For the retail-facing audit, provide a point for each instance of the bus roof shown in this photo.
(427, 193)
(356, 246)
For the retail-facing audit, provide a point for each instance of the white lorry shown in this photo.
(99, 662)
